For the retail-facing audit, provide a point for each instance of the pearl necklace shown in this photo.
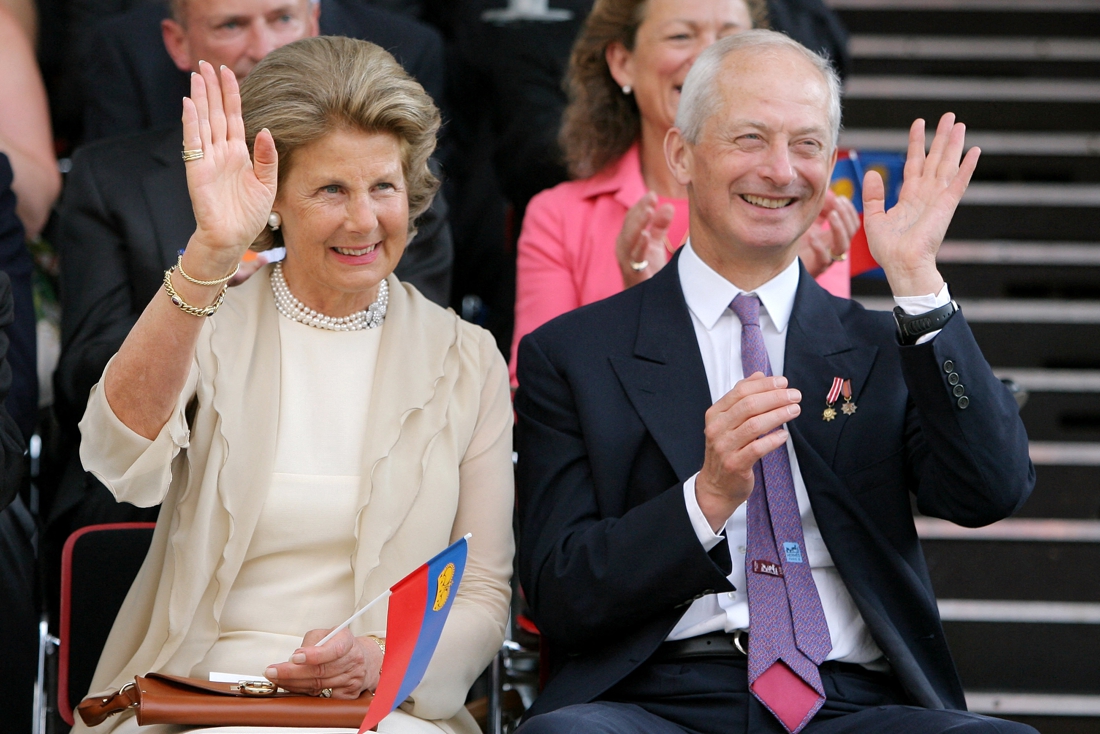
(295, 310)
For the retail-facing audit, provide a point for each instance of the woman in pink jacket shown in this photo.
(624, 216)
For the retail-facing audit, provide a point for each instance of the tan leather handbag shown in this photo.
(169, 699)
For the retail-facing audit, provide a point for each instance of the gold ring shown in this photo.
(325, 693)
(838, 258)
(192, 155)
(639, 267)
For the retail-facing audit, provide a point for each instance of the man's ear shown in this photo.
(678, 156)
(175, 40)
(621, 63)
(314, 18)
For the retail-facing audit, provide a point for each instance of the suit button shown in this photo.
(959, 391)
(963, 402)
(953, 378)
(949, 366)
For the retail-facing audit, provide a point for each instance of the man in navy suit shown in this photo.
(639, 431)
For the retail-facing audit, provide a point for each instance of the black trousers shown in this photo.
(712, 697)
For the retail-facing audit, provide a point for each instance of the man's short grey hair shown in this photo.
(700, 94)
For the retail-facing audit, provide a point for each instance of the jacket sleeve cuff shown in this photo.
(135, 469)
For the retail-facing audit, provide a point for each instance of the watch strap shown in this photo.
(912, 328)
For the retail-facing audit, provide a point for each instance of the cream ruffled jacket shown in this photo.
(436, 465)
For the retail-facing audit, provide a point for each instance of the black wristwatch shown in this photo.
(911, 328)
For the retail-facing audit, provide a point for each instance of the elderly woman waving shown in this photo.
(319, 431)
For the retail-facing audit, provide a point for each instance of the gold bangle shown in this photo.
(184, 305)
(380, 642)
(196, 281)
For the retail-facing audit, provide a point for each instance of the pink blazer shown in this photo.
(566, 252)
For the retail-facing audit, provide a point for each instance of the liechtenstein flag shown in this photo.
(419, 604)
(848, 181)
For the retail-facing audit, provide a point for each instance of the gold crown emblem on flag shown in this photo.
(443, 586)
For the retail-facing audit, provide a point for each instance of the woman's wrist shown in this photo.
(206, 262)
(374, 649)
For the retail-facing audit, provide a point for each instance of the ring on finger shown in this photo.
(192, 155)
(838, 258)
(639, 267)
(325, 693)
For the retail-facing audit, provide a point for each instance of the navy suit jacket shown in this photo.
(611, 410)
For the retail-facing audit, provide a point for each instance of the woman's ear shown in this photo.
(620, 62)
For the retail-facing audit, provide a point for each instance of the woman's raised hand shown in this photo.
(829, 237)
(641, 240)
(232, 196)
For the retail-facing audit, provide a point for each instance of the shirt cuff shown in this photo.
(916, 305)
(699, 523)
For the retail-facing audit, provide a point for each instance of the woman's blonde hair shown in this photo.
(307, 89)
(601, 123)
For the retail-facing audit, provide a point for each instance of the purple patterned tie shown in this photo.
(789, 636)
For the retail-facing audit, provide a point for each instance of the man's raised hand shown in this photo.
(906, 239)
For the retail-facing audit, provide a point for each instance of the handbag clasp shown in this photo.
(257, 687)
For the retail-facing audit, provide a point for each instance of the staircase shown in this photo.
(1021, 599)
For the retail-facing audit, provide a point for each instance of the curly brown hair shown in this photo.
(601, 123)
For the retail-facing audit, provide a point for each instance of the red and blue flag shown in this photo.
(419, 604)
(848, 181)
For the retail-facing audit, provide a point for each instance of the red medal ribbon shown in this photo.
(834, 391)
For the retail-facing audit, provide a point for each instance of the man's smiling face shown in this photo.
(761, 167)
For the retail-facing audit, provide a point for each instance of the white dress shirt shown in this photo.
(718, 332)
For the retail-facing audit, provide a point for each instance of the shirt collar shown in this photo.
(708, 294)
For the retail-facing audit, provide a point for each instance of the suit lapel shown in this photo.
(664, 378)
(166, 198)
(818, 349)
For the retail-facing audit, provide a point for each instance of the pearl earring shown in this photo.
(627, 89)
(274, 220)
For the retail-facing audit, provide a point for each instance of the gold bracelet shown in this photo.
(380, 642)
(184, 305)
(196, 281)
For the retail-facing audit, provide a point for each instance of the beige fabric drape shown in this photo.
(436, 464)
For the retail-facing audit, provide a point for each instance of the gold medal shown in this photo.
(829, 414)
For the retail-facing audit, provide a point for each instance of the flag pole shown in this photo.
(384, 595)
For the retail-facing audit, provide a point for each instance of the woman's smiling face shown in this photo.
(345, 213)
(669, 39)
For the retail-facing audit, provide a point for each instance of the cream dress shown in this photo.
(298, 569)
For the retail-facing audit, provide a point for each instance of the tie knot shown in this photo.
(747, 308)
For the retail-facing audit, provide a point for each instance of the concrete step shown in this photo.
(983, 103)
(1055, 334)
(1028, 18)
(1028, 211)
(992, 143)
(1056, 659)
(1026, 48)
(1016, 560)
(1007, 269)
(1006, 156)
(1067, 481)
(1021, 57)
